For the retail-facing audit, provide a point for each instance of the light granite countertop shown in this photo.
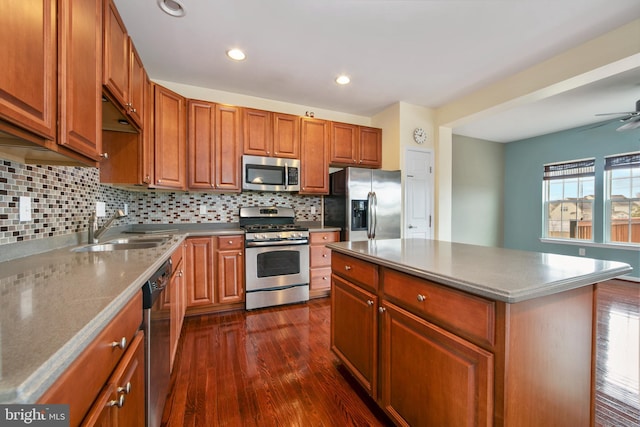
(54, 303)
(499, 274)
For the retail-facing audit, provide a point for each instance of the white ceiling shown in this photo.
(423, 52)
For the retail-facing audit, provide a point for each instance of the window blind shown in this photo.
(574, 169)
(626, 161)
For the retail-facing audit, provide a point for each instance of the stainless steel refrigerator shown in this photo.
(365, 203)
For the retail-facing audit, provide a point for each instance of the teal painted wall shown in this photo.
(524, 162)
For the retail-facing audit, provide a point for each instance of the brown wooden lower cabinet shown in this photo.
(214, 273)
(122, 401)
(431, 355)
(356, 344)
(320, 262)
(422, 363)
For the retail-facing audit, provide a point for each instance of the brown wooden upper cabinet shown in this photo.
(170, 139)
(28, 96)
(214, 146)
(123, 73)
(48, 95)
(314, 156)
(271, 134)
(353, 145)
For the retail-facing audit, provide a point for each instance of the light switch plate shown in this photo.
(25, 208)
(101, 209)
(203, 209)
(313, 210)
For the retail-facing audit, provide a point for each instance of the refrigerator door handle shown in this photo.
(374, 211)
(369, 213)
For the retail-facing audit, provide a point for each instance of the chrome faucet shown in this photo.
(95, 232)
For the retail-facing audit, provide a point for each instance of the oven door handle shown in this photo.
(278, 243)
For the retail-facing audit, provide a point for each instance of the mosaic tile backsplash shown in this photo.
(63, 197)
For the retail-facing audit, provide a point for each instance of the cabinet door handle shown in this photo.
(239, 253)
(381, 309)
(347, 267)
(421, 298)
(369, 302)
(120, 344)
(119, 403)
(324, 255)
(104, 155)
(126, 389)
(325, 278)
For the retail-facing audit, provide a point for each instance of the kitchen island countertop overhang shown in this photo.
(500, 274)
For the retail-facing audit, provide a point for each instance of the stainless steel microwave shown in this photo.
(270, 174)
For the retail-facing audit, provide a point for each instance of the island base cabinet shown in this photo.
(354, 331)
(430, 377)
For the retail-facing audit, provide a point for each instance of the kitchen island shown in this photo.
(440, 333)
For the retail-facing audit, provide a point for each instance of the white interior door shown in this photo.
(418, 191)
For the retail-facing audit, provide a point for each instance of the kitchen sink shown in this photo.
(115, 246)
(136, 240)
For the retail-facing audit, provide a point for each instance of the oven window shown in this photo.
(278, 263)
(272, 175)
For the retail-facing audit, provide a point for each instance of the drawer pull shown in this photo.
(369, 302)
(324, 237)
(421, 298)
(119, 403)
(381, 309)
(120, 344)
(347, 267)
(231, 242)
(325, 278)
(126, 389)
(324, 255)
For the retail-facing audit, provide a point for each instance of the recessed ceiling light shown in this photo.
(172, 7)
(343, 79)
(236, 54)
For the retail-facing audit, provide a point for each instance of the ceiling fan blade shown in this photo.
(634, 124)
(617, 114)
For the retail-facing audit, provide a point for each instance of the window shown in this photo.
(623, 198)
(568, 199)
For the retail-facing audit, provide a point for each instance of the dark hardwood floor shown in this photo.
(617, 360)
(273, 367)
(270, 367)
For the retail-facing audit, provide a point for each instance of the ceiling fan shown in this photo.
(631, 119)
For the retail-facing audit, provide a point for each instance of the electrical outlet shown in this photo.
(203, 209)
(101, 209)
(582, 251)
(313, 210)
(25, 208)
(125, 208)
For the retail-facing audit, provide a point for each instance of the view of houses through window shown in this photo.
(623, 198)
(568, 204)
(569, 194)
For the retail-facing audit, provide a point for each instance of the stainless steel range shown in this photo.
(277, 257)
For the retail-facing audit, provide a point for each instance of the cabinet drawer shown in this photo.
(355, 270)
(319, 256)
(77, 388)
(317, 238)
(320, 279)
(467, 315)
(230, 242)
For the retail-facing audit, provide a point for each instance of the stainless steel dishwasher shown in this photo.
(156, 323)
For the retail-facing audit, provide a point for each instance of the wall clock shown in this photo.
(419, 136)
